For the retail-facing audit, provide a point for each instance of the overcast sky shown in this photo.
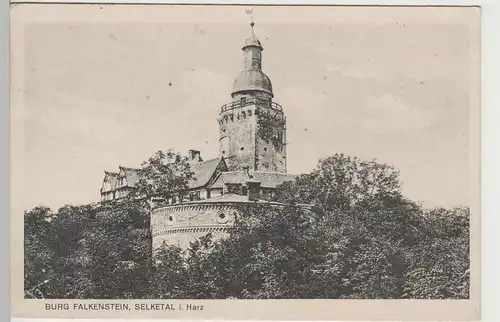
(103, 94)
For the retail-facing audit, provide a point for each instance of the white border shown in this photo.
(490, 53)
(4, 160)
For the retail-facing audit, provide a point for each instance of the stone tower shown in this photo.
(253, 126)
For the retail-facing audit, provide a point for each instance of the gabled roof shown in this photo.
(111, 178)
(267, 179)
(131, 176)
(204, 171)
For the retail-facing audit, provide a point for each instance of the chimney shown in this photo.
(194, 155)
(231, 187)
(253, 190)
(246, 167)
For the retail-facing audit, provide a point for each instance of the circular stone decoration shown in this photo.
(222, 217)
(170, 220)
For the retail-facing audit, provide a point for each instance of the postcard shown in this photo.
(235, 162)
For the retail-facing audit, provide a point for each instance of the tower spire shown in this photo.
(252, 23)
(250, 13)
(252, 79)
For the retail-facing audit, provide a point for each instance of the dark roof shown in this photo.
(203, 171)
(252, 80)
(267, 179)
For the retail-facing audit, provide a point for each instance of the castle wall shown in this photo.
(122, 193)
(107, 196)
(237, 137)
(252, 132)
(253, 135)
(270, 145)
(180, 224)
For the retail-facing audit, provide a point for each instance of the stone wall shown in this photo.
(181, 224)
(253, 135)
(122, 192)
(107, 196)
(237, 137)
(270, 142)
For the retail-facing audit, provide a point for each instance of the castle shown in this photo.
(251, 162)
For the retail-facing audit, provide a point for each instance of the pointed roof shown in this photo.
(109, 175)
(131, 176)
(205, 170)
(111, 178)
(252, 41)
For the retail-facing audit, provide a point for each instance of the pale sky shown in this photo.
(99, 95)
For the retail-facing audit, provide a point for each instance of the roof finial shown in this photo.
(250, 12)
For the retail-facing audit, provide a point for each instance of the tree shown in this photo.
(68, 228)
(440, 262)
(340, 182)
(267, 255)
(367, 241)
(375, 243)
(120, 251)
(168, 277)
(37, 255)
(162, 175)
(81, 252)
(68, 237)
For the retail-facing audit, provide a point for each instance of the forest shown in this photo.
(365, 241)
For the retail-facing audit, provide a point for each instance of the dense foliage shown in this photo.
(364, 240)
(163, 174)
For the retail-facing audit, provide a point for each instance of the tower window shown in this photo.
(242, 148)
(265, 149)
(223, 152)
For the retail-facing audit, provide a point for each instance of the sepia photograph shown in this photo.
(190, 152)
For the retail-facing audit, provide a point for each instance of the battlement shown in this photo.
(251, 101)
